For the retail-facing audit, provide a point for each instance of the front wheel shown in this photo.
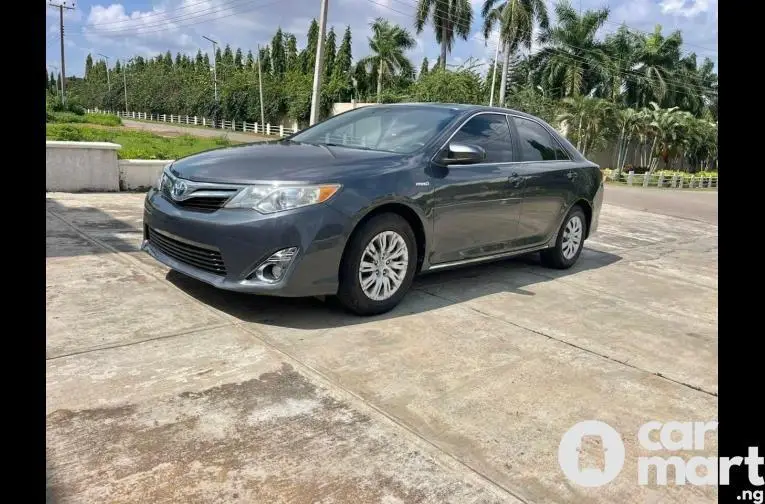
(378, 266)
(570, 241)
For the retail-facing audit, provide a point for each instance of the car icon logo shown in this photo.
(179, 189)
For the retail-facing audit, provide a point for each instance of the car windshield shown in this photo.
(390, 129)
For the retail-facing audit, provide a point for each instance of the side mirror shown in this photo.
(464, 154)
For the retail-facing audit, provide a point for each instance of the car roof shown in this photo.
(456, 106)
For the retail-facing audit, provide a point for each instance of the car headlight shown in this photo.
(162, 178)
(278, 198)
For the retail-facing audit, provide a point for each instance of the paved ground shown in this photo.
(694, 204)
(161, 389)
(169, 128)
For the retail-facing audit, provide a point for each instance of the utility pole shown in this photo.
(124, 80)
(494, 75)
(61, 8)
(260, 86)
(108, 79)
(215, 71)
(317, 70)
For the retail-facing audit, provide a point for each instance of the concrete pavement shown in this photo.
(162, 389)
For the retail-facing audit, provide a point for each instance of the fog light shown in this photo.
(272, 269)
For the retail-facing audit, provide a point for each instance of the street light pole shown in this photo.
(318, 67)
(108, 79)
(260, 87)
(215, 71)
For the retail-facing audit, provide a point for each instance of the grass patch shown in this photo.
(136, 144)
(72, 118)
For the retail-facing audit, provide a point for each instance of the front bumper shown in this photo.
(597, 204)
(246, 238)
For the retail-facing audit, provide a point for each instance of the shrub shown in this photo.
(103, 119)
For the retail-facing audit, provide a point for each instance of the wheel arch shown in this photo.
(408, 213)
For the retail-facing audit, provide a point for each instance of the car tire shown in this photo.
(366, 240)
(568, 247)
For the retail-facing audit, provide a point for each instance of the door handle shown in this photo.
(572, 175)
(515, 180)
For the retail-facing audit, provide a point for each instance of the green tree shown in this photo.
(238, 59)
(330, 50)
(445, 86)
(293, 59)
(308, 56)
(573, 61)
(278, 55)
(424, 68)
(343, 61)
(449, 18)
(515, 19)
(88, 65)
(250, 61)
(388, 44)
(657, 57)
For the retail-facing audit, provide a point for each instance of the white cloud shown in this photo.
(685, 8)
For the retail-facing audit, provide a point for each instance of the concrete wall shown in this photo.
(340, 107)
(81, 166)
(140, 174)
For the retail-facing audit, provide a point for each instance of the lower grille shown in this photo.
(199, 257)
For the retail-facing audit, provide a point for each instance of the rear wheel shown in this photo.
(570, 241)
(378, 266)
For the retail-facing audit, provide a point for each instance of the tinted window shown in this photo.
(402, 129)
(536, 142)
(491, 132)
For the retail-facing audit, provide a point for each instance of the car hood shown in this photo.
(282, 160)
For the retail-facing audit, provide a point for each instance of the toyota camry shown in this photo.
(356, 206)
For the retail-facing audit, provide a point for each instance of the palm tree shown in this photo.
(573, 59)
(449, 18)
(388, 44)
(515, 19)
(657, 57)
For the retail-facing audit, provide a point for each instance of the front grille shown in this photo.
(200, 203)
(199, 257)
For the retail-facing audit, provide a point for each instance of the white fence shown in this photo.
(675, 180)
(185, 120)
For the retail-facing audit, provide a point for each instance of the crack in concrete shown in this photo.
(147, 340)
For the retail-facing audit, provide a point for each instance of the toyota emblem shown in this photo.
(179, 189)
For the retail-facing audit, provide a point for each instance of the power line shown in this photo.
(204, 15)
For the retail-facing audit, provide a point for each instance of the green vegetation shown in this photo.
(636, 95)
(136, 144)
(69, 117)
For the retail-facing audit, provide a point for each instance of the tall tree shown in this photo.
(657, 57)
(278, 55)
(330, 50)
(573, 60)
(199, 62)
(88, 65)
(424, 68)
(293, 59)
(250, 60)
(449, 18)
(308, 56)
(265, 59)
(238, 59)
(343, 60)
(515, 19)
(388, 44)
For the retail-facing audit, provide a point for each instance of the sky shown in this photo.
(150, 27)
